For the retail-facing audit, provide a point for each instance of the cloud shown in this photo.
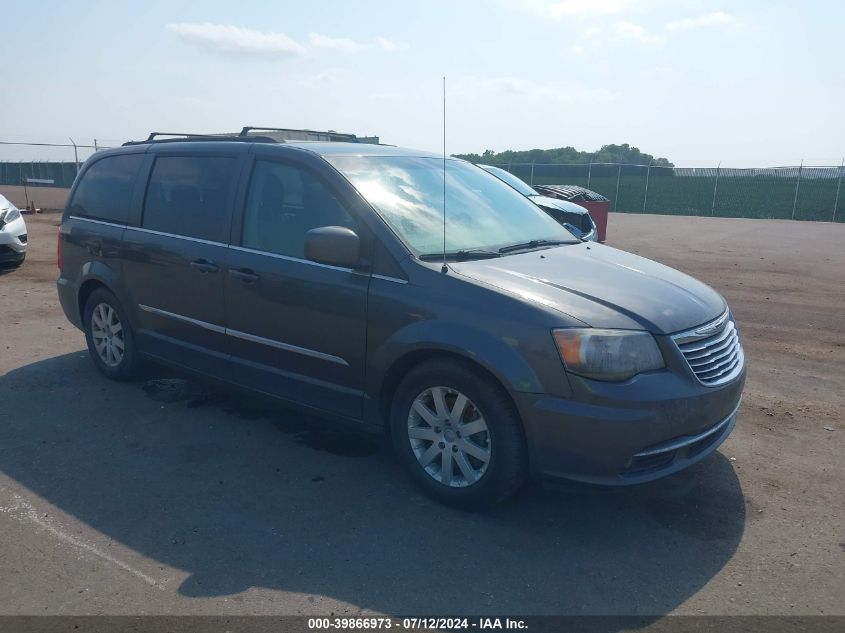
(385, 96)
(619, 32)
(530, 90)
(228, 38)
(571, 8)
(575, 8)
(715, 19)
(634, 33)
(389, 46)
(342, 44)
(327, 77)
(347, 45)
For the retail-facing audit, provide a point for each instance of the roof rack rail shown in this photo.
(181, 137)
(331, 134)
(153, 135)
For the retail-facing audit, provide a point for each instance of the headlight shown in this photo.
(610, 355)
(8, 215)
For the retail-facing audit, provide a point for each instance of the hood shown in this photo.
(5, 203)
(563, 205)
(602, 287)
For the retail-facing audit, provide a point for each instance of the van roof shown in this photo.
(320, 148)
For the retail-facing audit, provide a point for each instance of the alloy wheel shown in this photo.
(107, 333)
(449, 437)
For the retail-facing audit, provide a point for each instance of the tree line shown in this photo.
(568, 156)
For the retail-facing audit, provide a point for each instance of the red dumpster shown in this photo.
(598, 211)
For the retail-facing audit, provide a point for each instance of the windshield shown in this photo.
(509, 178)
(482, 213)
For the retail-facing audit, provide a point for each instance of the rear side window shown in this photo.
(190, 196)
(105, 191)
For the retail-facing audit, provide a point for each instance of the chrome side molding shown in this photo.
(252, 338)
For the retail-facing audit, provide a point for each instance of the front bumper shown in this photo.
(8, 255)
(13, 240)
(653, 426)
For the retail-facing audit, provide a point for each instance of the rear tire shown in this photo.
(458, 435)
(111, 342)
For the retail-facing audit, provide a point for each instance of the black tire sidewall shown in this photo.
(508, 460)
(127, 368)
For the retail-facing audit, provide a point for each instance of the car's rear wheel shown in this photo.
(111, 342)
(458, 435)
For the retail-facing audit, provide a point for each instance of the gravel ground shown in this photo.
(166, 497)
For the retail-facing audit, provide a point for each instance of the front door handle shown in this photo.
(205, 266)
(246, 275)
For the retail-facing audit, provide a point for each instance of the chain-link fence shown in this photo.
(800, 193)
(38, 174)
(60, 171)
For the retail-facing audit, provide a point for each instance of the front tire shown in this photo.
(458, 435)
(111, 342)
(14, 264)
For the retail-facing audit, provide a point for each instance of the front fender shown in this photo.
(499, 357)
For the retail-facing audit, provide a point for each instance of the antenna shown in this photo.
(444, 268)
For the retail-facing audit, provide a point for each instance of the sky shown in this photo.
(754, 83)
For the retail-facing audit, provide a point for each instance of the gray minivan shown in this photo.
(492, 349)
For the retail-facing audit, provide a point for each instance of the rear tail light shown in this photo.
(59, 250)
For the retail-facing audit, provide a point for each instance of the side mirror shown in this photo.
(333, 245)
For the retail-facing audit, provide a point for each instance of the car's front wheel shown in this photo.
(458, 435)
(111, 342)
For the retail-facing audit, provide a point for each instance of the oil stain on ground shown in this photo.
(307, 430)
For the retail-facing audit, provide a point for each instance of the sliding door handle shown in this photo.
(246, 275)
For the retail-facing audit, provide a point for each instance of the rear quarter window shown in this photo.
(105, 191)
(190, 196)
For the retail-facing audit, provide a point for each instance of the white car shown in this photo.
(12, 234)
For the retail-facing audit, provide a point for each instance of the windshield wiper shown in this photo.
(534, 244)
(461, 255)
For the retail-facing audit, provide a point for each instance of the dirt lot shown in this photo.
(43, 197)
(149, 498)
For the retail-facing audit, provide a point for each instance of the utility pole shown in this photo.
(715, 189)
(797, 186)
(75, 154)
(647, 174)
(618, 178)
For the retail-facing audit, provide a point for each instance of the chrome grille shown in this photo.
(713, 351)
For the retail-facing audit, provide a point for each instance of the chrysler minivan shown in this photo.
(489, 343)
